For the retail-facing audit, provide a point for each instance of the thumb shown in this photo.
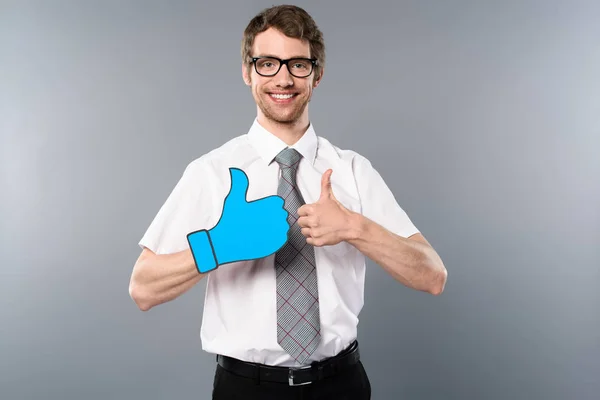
(239, 185)
(326, 190)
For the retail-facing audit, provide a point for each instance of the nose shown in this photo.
(283, 77)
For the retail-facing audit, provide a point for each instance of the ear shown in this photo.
(317, 79)
(245, 75)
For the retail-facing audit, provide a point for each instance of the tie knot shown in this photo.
(288, 158)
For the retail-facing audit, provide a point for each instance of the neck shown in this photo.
(289, 132)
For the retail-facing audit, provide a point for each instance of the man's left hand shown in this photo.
(326, 222)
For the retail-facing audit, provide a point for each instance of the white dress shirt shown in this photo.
(239, 318)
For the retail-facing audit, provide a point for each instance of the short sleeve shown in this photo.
(378, 203)
(180, 214)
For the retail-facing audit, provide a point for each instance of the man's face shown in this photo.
(281, 110)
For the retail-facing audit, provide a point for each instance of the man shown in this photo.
(283, 323)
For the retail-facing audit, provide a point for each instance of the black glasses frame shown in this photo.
(313, 62)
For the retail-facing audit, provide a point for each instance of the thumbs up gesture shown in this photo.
(245, 231)
(326, 222)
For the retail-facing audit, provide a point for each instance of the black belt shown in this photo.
(293, 376)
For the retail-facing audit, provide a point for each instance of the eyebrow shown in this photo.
(274, 56)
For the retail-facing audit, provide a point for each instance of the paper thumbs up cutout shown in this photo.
(247, 230)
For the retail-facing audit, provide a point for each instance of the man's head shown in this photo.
(282, 32)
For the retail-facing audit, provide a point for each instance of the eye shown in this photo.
(300, 64)
(267, 65)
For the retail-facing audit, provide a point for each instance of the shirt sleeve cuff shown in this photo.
(202, 251)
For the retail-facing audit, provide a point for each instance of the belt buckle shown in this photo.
(291, 377)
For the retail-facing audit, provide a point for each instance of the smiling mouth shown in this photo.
(282, 96)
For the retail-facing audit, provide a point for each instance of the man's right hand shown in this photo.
(245, 231)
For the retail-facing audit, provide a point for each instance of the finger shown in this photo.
(326, 184)
(303, 221)
(314, 242)
(315, 233)
(304, 210)
(239, 185)
(305, 232)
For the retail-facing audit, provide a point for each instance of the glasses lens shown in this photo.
(267, 66)
(300, 67)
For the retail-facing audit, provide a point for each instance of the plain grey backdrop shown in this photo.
(482, 117)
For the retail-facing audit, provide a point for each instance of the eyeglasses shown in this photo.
(270, 66)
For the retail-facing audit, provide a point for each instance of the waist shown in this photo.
(256, 343)
(293, 376)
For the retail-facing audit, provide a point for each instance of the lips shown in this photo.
(282, 96)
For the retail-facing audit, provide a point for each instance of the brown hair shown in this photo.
(293, 22)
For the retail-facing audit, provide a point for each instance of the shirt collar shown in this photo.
(268, 145)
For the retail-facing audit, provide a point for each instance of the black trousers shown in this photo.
(351, 383)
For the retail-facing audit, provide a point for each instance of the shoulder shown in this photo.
(234, 150)
(357, 161)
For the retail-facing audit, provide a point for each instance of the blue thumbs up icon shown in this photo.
(245, 231)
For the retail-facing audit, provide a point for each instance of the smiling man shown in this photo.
(285, 325)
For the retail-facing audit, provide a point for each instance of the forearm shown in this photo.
(159, 278)
(414, 264)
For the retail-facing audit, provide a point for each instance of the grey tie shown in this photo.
(298, 321)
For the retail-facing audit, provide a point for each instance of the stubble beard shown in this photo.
(288, 115)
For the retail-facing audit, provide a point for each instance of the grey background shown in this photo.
(481, 116)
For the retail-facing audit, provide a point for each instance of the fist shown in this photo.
(326, 222)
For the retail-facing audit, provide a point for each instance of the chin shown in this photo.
(281, 119)
(284, 118)
(287, 117)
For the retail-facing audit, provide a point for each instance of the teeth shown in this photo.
(282, 96)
